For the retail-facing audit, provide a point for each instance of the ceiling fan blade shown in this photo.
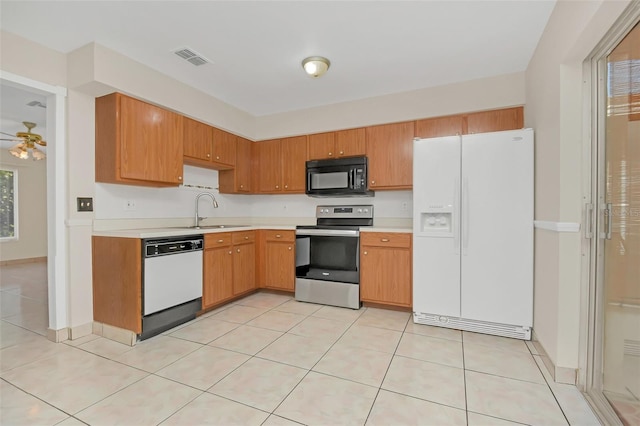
(8, 134)
(41, 143)
(12, 140)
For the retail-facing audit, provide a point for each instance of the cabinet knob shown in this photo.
(373, 182)
(241, 186)
(330, 154)
(246, 238)
(179, 177)
(230, 252)
(208, 155)
(217, 157)
(277, 186)
(289, 247)
(384, 240)
(286, 186)
(341, 152)
(365, 253)
(221, 241)
(238, 250)
(278, 236)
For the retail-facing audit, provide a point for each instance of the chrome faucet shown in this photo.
(213, 200)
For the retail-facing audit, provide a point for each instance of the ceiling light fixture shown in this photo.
(27, 145)
(315, 66)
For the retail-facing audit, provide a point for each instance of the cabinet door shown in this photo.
(440, 126)
(151, 142)
(494, 121)
(218, 276)
(351, 143)
(279, 260)
(385, 275)
(243, 165)
(197, 139)
(244, 268)
(390, 152)
(294, 156)
(322, 145)
(224, 148)
(269, 176)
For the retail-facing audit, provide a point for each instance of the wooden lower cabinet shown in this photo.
(117, 282)
(229, 266)
(277, 260)
(385, 268)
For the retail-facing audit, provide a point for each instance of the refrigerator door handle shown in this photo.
(455, 217)
(606, 210)
(465, 215)
(588, 217)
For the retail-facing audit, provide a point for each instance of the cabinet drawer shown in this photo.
(243, 237)
(385, 239)
(273, 235)
(217, 239)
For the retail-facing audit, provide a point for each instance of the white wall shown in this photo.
(555, 94)
(32, 209)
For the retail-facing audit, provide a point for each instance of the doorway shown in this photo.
(56, 194)
(613, 382)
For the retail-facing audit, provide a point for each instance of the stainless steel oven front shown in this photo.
(328, 256)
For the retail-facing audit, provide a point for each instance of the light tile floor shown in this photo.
(269, 360)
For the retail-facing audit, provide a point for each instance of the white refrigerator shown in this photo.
(473, 232)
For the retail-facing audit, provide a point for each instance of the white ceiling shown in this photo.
(14, 110)
(375, 47)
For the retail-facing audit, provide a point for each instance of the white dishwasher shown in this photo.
(172, 282)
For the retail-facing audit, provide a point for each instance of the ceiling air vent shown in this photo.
(192, 56)
(36, 103)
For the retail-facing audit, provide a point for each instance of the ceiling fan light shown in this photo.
(315, 66)
(19, 151)
(37, 154)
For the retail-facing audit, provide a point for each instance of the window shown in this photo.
(8, 204)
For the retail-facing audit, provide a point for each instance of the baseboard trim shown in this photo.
(25, 260)
(558, 374)
(120, 335)
(57, 336)
(557, 226)
(80, 331)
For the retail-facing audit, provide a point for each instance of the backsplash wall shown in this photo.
(134, 202)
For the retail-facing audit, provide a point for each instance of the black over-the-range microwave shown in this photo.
(339, 177)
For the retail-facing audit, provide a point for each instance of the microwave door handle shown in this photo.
(352, 176)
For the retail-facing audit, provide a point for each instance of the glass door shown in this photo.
(616, 347)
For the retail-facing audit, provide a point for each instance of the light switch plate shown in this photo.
(85, 204)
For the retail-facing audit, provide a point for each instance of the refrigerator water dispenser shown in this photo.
(437, 223)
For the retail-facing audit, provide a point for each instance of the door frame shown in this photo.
(56, 198)
(591, 311)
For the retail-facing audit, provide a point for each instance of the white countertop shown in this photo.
(177, 230)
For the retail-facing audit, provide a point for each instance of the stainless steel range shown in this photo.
(328, 256)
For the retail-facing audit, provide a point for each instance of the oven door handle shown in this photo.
(329, 232)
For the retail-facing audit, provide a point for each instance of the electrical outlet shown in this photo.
(130, 205)
(85, 204)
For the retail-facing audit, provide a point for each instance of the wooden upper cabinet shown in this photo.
(440, 126)
(238, 180)
(137, 143)
(197, 140)
(281, 165)
(224, 148)
(494, 121)
(294, 156)
(269, 170)
(322, 145)
(343, 143)
(351, 143)
(390, 153)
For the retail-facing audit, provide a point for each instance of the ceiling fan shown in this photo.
(28, 142)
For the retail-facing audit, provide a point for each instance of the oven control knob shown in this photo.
(359, 210)
(366, 210)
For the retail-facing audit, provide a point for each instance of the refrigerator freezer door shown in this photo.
(436, 226)
(497, 230)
